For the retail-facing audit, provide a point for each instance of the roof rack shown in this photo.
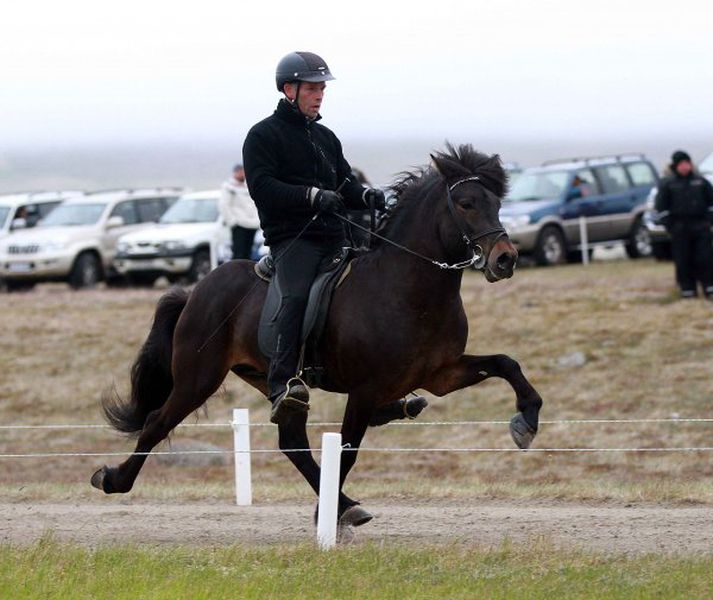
(143, 190)
(588, 160)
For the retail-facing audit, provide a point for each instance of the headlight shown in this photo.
(173, 246)
(515, 223)
(122, 247)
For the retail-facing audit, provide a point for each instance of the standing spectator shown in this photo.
(685, 207)
(239, 212)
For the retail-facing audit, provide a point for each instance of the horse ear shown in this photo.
(434, 164)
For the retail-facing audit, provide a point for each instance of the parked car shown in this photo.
(76, 242)
(542, 211)
(23, 211)
(190, 238)
(660, 240)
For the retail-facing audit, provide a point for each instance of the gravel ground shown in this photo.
(630, 529)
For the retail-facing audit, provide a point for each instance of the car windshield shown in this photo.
(538, 185)
(4, 210)
(192, 210)
(706, 166)
(73, 214)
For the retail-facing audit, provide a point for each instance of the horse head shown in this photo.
(473, 187)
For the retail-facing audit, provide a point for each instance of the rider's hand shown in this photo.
(327, 201)
(376, 196)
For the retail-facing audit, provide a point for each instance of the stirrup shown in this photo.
(294, 400)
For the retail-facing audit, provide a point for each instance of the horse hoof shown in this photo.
(414, 406)
(355, 516)
(522, 434)
(98, 479)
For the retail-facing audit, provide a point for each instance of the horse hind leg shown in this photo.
(189, 393)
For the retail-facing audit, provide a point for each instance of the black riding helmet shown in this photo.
(301, 66)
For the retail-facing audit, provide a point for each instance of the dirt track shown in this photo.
(633, 529)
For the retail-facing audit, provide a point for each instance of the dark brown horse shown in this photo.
(395, 325)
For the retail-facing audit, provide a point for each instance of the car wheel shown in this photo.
(86, 271)
(200, 267)
(661, 250)
(639, 244)
(550, 248)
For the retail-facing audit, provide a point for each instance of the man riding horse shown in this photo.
(295, 170)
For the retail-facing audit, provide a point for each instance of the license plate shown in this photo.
(20, 267)
(141, 264)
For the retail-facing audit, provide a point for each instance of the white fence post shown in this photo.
(241, 437)
(213, 249)
(329, 490)
(584, 240)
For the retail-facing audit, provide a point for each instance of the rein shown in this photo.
(476, 261)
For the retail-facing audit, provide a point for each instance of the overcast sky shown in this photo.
(75, 72)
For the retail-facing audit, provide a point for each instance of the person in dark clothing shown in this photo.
(685, 207)
(295, 169)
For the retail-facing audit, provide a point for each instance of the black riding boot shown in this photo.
(296, 266)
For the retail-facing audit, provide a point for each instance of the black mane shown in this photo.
(447, 167)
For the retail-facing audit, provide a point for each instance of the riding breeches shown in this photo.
(296, 268)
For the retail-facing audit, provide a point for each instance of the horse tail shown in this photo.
(151, 378)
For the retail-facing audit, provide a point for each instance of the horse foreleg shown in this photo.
(294, 443)
(357, 414)
(469, 370)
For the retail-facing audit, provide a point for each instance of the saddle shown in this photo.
(315, 318)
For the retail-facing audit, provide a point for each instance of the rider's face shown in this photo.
(310, 97)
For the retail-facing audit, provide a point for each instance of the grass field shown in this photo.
(50, 570)
(647, 355)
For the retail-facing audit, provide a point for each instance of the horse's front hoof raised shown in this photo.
(522, 434)
(355, 516)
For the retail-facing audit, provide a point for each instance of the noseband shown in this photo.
(470, 238)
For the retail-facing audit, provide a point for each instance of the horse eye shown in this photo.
(467, 203)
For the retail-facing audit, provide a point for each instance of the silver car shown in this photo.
(76, 242)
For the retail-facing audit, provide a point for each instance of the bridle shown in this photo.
(478, 259)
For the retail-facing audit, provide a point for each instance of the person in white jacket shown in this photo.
(239, 213)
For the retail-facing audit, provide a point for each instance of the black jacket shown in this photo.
(688, 199)
(284, 157)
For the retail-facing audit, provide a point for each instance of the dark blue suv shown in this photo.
(543, 208)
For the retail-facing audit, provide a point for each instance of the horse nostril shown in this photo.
(505, 262)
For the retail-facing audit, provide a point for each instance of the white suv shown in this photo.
(189, 240)
(76, 242)
(20, 211)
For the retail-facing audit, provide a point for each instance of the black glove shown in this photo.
(328, 201)
(376, 196)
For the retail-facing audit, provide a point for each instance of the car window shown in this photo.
(538, 185)
(641, 174)
(73, 214)
(150, 209)
(126, 210)
(46, 208)
(589, 185)
(4, 212)
(612, 178)
(192, 210)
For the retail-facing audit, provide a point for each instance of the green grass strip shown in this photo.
(49, 569)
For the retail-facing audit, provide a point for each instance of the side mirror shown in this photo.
(114, 222)
(18, 224)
